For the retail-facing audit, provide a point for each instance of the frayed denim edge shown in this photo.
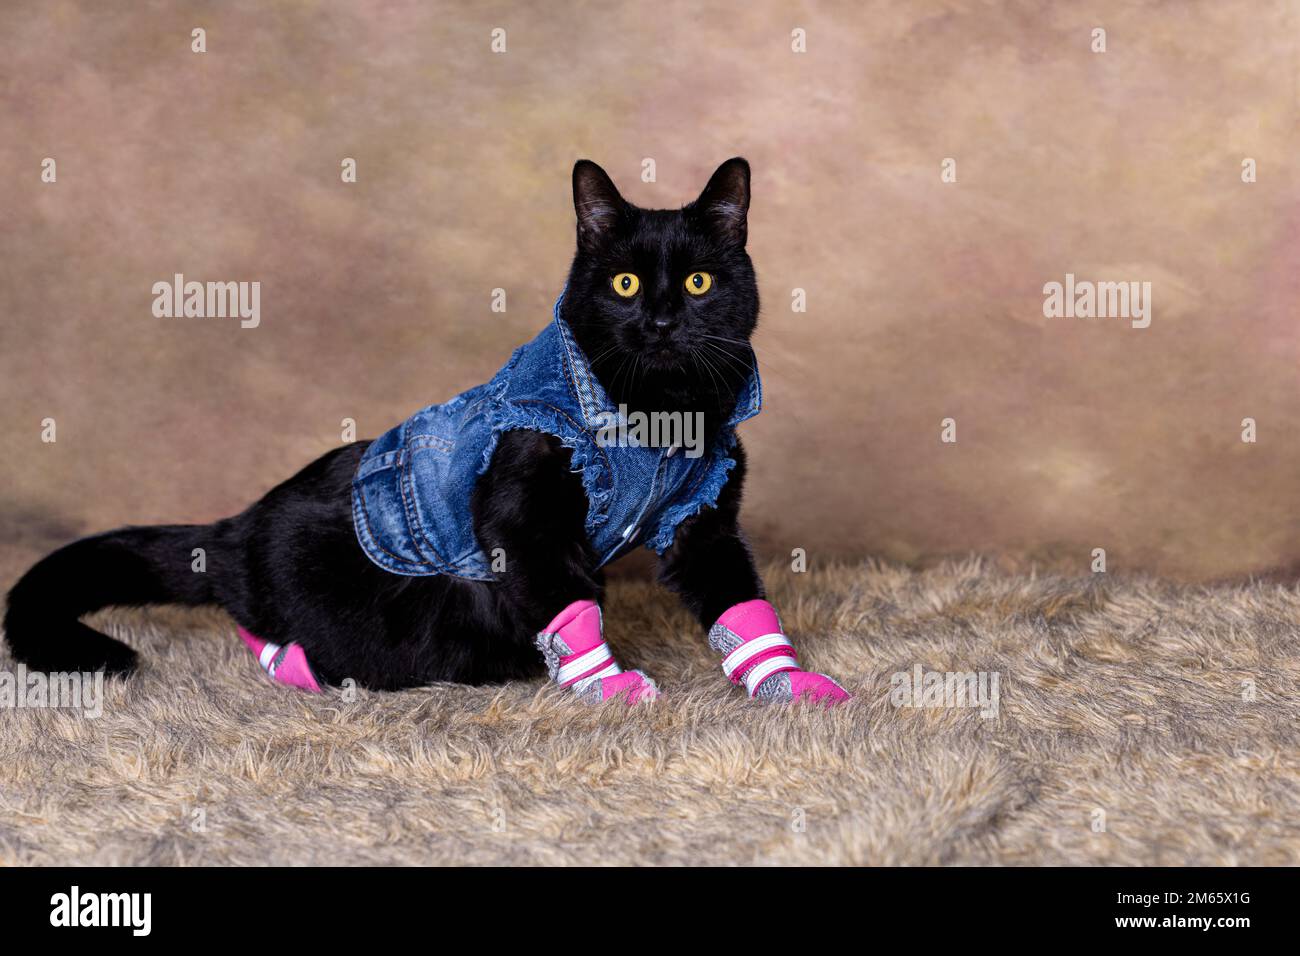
(585, 458)
(710, 488)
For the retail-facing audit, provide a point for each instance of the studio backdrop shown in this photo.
(390, 183)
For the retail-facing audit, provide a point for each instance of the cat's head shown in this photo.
(663, 301)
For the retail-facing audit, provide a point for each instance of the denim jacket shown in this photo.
(412, 488)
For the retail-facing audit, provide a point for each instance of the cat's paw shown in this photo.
(757, 654)
(577, 657)
(792, 686)
(636, 686)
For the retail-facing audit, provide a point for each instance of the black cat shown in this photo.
(406, 560)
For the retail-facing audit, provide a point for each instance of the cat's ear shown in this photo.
(723, 207)
(597, 203)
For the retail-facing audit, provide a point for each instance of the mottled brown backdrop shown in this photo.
(924, 298)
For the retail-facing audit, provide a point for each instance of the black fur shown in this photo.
(290, 568)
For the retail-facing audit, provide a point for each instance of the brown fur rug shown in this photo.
(1138, 723)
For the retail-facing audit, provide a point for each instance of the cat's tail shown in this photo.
(126, 567)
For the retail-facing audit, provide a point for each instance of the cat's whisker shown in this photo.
(709, 367)
(736, 364)
(613, 385)
(722, 338)
(761, 357)
(604, 355)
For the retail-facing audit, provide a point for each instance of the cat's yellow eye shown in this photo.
(698, 283)
(626, 284)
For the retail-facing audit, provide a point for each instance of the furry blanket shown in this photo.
(1136, 723)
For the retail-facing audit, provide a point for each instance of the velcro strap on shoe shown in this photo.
(587, 664)
(758, 659)
(765, 669)
(734, 664)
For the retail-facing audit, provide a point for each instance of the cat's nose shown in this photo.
(663, 325)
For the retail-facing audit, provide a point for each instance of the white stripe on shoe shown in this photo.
(761, 672)
(580, 665)
(267, 656)
(580, 686)
(747, 651)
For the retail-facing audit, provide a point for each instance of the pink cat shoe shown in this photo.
(578, 657)
(759, 655)
(286, 664)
